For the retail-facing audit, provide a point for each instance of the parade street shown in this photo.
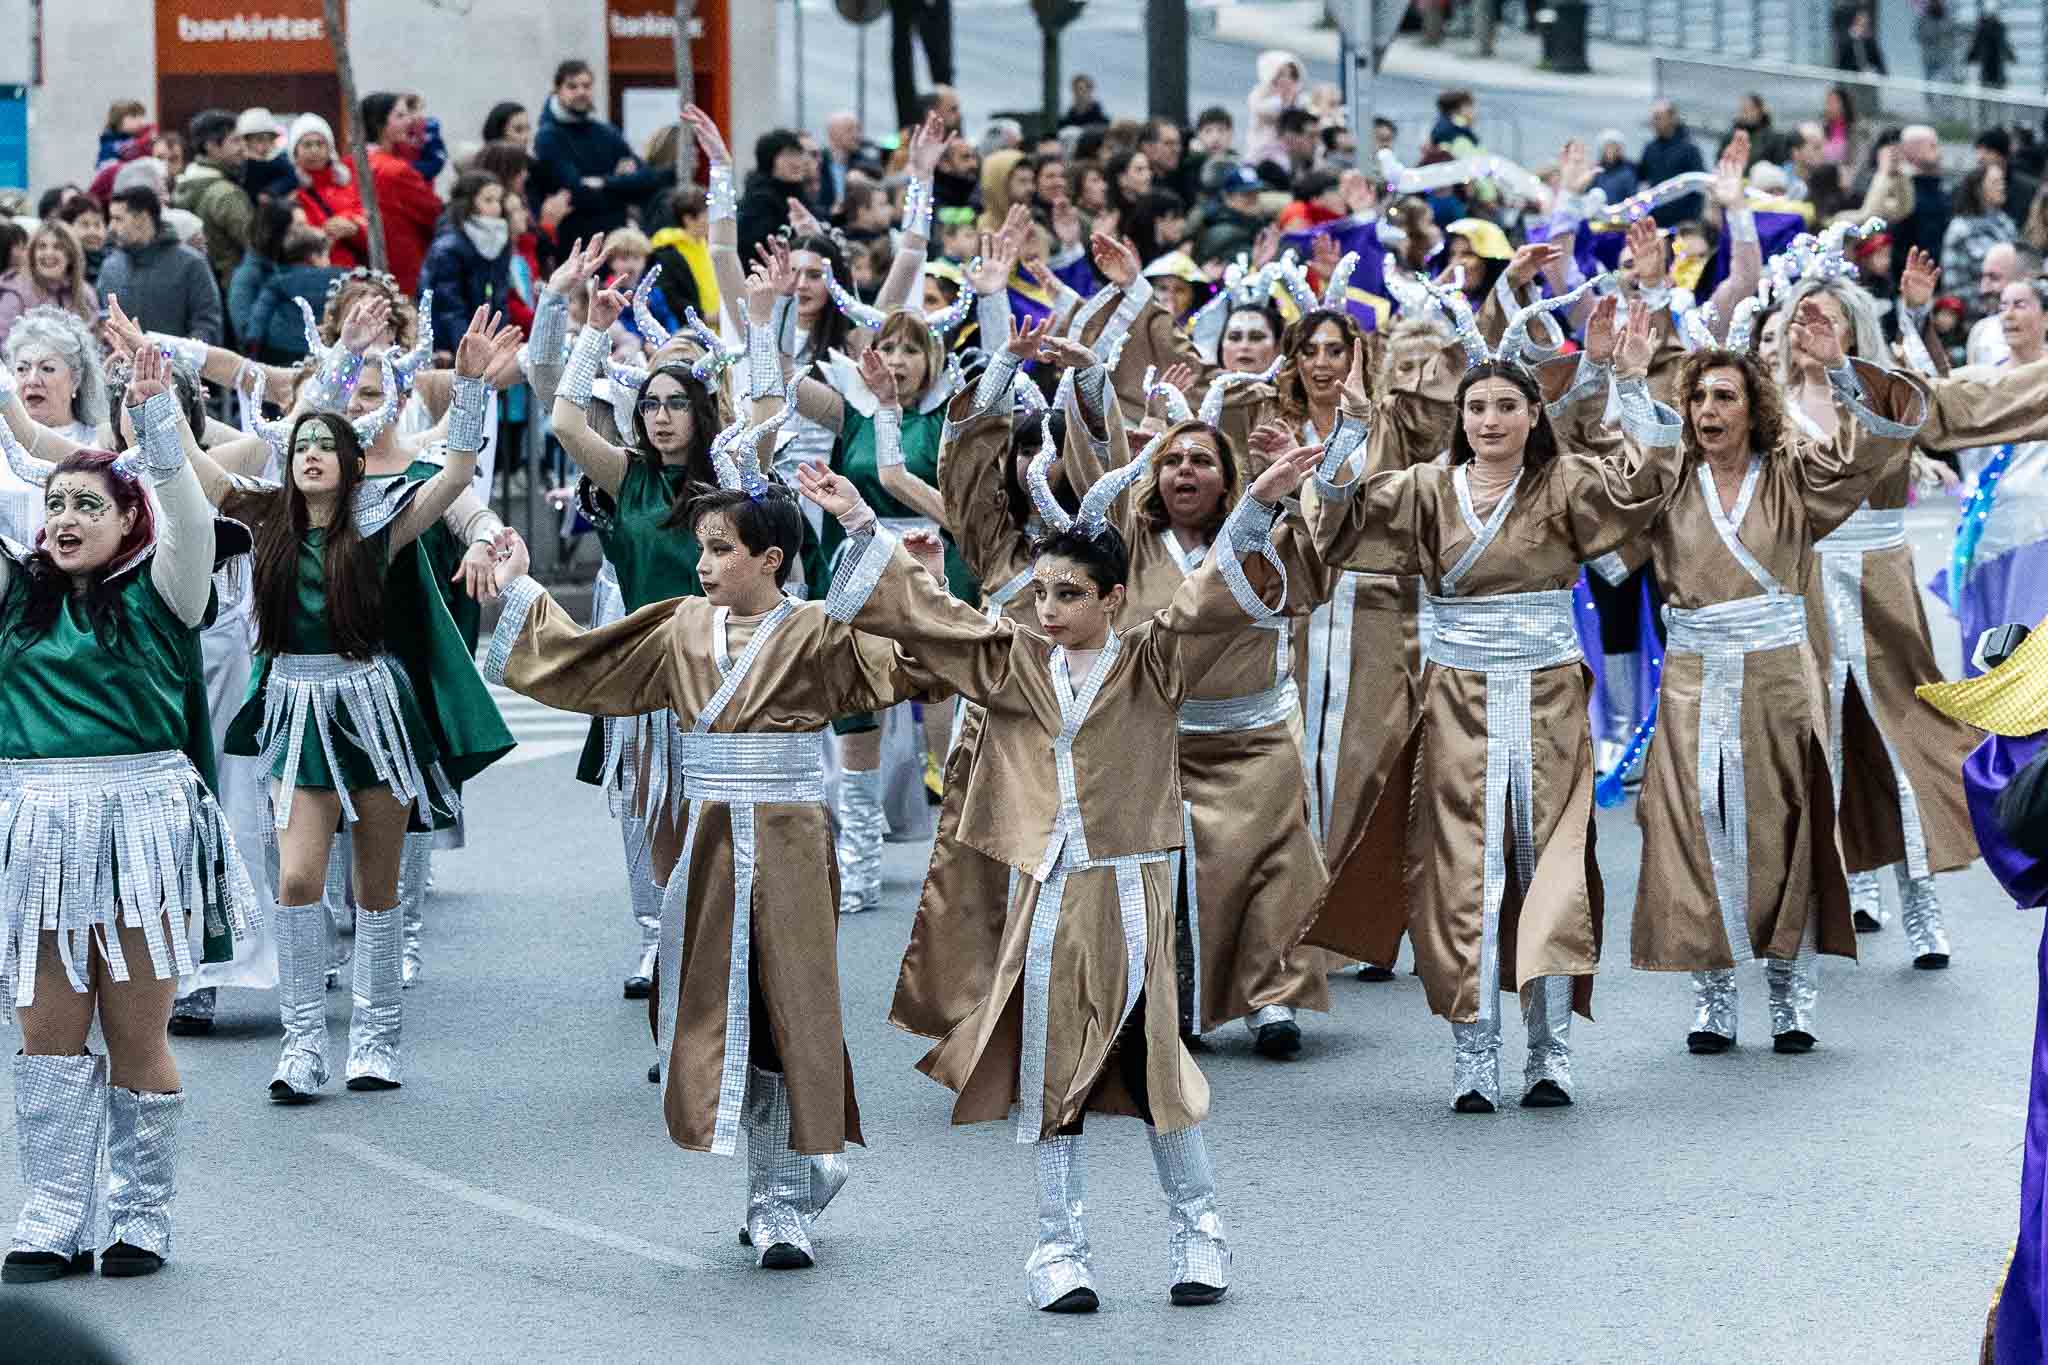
(519, 1199)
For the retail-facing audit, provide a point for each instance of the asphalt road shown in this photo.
(519, 1197)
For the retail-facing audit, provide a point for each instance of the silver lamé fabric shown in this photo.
(1793, 988)
(778, 1180)
(1059, 1263)
(142, 1159)
(1547, 1012)
(361, 698)
(374, 1026)
(1920, 913)
(1329, 695)
(414, 862)
(1713, 999)
(65, 824)
(60, 1119)
(1475, 1059)
(1198, 1251)
(1722, 635)
(1841, 583)
(302, 995)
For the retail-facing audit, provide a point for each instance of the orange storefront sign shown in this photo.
(241, 37)
(639, 43)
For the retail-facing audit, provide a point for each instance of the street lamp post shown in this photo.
(1166, 59)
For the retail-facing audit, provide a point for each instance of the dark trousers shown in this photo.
(929, 22)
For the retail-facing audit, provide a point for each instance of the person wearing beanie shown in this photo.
(326, 191)
(266, 167)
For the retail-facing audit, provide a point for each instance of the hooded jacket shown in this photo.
(224, 207)
(165, 286)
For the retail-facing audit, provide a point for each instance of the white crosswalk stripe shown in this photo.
(541, 731)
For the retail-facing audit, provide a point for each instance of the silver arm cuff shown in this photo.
(1248, 530)
(764, 362)
(26, 467)
(592, 349)
(1911, 323)
(996, 379)
(550, 335)
(1343, 444)
(917, 209)
(1643, 417)
(721, 201)
(163, 445)
(1093, 386)
(992, 317)
(1848, 387)
(889, 438)
(1742, 226)
(518, 597)
(861, 561)
(466, 414)
(1591, 375)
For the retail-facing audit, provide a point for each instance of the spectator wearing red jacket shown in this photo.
(327, 192)
(406, 202)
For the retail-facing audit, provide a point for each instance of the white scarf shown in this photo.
(487, 235)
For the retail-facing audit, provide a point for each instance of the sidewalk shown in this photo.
(1619, 71)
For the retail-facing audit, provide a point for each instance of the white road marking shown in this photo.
(509, 1207)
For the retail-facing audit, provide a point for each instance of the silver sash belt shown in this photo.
(1867, 529)
(1507, 638)
(66, 824)
(754, 769)
(1722, 635)
(1231, 714)
(359, 697)
(1840, 572)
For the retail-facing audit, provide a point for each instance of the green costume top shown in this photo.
(653, 562)
(854, 456)
(444, 552)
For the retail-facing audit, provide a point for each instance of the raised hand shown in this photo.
(1355, 394)
(802, 220)
(509, 557)
(368, 320)
(1066, 222)
(1359, 196)
(1646, 250)
(1270, 440)
(576, 266)
(772, 256)
(1116, 258)
(761, 295)
(1286, 473)
(1041, 275)
(831, 492)
(881, 383)
(1065, 353)
(995, 258)
(709, 139)
(605, 307)
(1574, 167)
(1813, 335)
(1265, 246)
(1637, 345)
(150, 376)
(929, 551)
(126, 332)
(1600, 334)
(1916, 286)
(1730, 170)
(1026, 338)
(485, 344)
(1529, 261)
(927, 145)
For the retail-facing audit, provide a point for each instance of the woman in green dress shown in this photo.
(105, 760)
(338, 715)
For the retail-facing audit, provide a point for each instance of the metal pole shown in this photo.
(1166, 59)
(798, 6)
(1362, 60)
(860, 78)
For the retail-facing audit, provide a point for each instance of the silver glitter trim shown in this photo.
(549, 337)
(586, 358)
(721, 199)
(1714, 996)
(750, 768)
(1248, 529)
(466, 412)
(1522, 631)
(1059, 1263)
(1868, 528)
(1198, 1250)
(917, 209)
(1611, 568)
(1848, 388)
(1920, 913)
(1475, 1059)
(1069, 842)
(60, 1117)
(301, 935)
(377, 985)
(1274, 706)
(142, 1160)
(1721, 635)
(1651, 423)
(1329, 697)
(764, 363)
(1590, 377)
(888, 423)
(1187, 867)
(378, 502)
(861, 561)
(1547, 1013)
(1344, 442)
(519, 598)
(778, 1180)
(1728, 525)
(996, 379)
(323, 688)
(163, 447)
(1794, 987)
(66, 824)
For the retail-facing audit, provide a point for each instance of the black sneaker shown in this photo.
(37, 1267)
(1867, 923)
(1080, 1300)
(121, 1261)
(1281, 1038)
(1707, 1044)
(639, 987)
(1194, 1294)
(1792, 1041)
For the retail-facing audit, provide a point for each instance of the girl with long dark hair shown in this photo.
(103, 766)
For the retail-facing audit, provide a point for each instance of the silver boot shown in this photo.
(1920, 915)
(415, 869)
(60, 1121)
(646, 898)
(862, 825)
(1866, 901)
(1058, 1266)
(778, 1180)
(1475, 1067)
(1199, 1252)
(1713, 1011)
(1274, 1031)
(374, 1024)
(300, 931)
(142, 1159)
(1548, 1014)
(1793, 986)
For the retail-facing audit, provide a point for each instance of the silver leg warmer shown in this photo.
(828, 1177)
(374, 1025)
(1548, 1015)
(1475, 1062)
(302, 995)
(1199, 1252)
(1920, 914)
(778, 1180)
(1059, 1264)
(60, 1121)
(415, 867)
(862, 825)
(1793, 986)
(1713, 1002)
(1866, 896)
(646, 895)
(142, 1159)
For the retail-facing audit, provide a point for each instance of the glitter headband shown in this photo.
(1212, 401)
(735, 454)
(1177, 409)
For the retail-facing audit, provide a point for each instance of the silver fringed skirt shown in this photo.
(346, 724)
(89, 844)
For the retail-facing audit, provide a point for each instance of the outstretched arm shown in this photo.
(486, 343)
(182, 569)
(605, 463)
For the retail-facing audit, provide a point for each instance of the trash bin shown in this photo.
(1564, 36)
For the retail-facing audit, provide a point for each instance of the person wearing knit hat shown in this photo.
(326, 191)
(1179, 283)
(266, 168)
